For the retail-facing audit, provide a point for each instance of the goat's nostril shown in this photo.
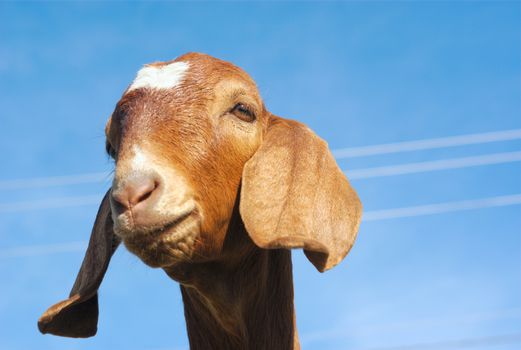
(144, 193)
(134, 192)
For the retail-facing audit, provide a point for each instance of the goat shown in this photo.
(215, 190)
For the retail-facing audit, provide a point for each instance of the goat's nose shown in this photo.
(134, 193)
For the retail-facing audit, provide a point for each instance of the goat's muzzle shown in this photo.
(159, 236)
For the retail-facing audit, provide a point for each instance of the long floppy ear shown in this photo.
(294, 195)
(77, 316)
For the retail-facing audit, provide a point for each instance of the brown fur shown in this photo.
(260, 186)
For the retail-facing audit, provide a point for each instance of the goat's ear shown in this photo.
(294, 195)
(77, 316)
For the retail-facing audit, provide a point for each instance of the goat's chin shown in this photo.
(164, 245)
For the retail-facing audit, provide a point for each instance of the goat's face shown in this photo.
(180, 137)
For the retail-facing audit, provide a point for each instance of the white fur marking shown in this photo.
(164, 77)
(175, 199)
(140, 161)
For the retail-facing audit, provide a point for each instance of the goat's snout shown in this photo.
(151, 199)
(136, 194)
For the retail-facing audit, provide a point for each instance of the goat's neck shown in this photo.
(246, 303)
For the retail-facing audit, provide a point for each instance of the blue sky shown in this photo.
(358, 73)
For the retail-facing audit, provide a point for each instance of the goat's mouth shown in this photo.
(166, 244)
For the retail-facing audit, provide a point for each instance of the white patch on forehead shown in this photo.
(163, 77)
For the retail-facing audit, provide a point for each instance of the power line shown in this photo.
(372, 215)
(53, 181)
(435, 165)
(439, 208)
(356, 174)
(43, 249)
(424, 144)
(352, 152)
(52, 203)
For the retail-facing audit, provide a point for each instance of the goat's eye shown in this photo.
(110, 150)
(243, 112)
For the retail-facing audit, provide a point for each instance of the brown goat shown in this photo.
(215, 190)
